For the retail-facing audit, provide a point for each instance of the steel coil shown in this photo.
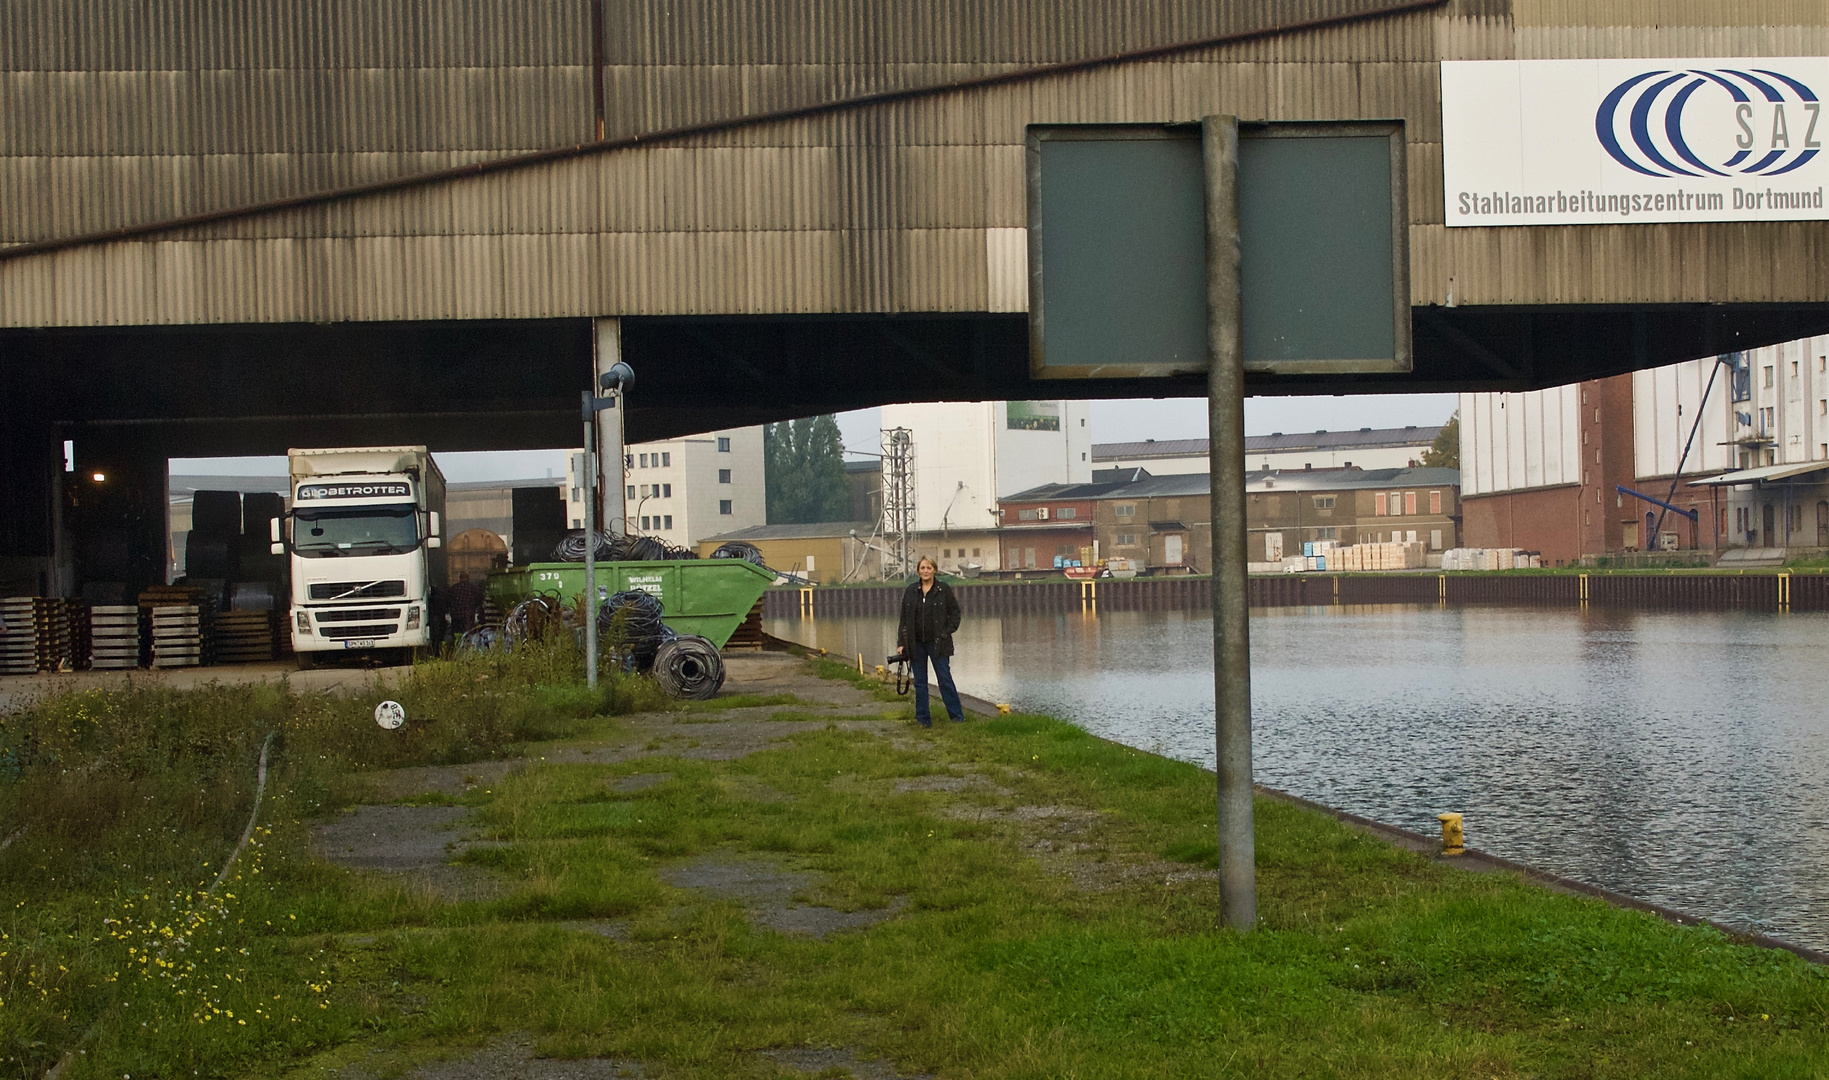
(689, 667)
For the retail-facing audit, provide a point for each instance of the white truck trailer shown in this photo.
(364, 532)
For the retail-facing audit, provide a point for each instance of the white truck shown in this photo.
(364, 531)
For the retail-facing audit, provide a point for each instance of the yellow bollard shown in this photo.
(1003, 709)
(1453, 840)
(860, 663)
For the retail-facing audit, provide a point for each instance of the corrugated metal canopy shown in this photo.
(1768, 472)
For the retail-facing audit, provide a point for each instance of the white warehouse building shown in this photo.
(969, 455)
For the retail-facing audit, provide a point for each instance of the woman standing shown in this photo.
(930, 615)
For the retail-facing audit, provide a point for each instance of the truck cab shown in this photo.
(366, 552)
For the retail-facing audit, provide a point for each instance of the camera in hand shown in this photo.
(900, 656)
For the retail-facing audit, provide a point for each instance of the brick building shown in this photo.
(1047, 522)
(1164, 522)
(1736, 445)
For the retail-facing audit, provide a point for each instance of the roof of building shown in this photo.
(1117, 476)
(1767, 472)
(183, 487)
(867, 465)
(813, 530)
(1277, 442)
(1260, 480)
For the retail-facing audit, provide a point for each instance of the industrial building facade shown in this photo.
(234, 228)
(1733, 449)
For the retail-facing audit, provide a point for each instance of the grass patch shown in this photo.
(1370, 961)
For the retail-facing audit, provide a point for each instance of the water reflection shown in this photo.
(1677, 757)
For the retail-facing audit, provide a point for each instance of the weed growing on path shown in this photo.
(989, 899)
(115, 799)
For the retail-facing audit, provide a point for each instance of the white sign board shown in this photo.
(1592, 142)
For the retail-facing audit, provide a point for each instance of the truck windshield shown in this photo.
(321, 534)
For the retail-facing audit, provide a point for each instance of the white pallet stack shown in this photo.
(177, 636)
(19, 641)
(114, 636)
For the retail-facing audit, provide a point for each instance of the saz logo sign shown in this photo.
(1770, 119)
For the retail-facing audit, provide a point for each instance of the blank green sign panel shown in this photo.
(1118, 249)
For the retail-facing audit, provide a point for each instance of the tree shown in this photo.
(1446, 452)
(804, 461)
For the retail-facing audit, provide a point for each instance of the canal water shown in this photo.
(1678, 757)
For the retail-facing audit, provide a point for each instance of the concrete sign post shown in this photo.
(1167, 249)
(1236, 833)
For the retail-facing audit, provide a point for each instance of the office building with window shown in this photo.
(683, 490)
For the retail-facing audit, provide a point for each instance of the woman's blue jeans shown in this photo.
(949, 694)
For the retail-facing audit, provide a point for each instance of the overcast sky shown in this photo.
(1112, 421)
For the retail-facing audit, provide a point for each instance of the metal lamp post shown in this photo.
(616, 381)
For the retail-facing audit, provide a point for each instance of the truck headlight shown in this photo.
(304, 621)
(412, 618)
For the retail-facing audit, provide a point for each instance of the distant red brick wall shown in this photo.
(1544, 519)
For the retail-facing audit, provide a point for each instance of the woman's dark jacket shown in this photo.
(929, 621)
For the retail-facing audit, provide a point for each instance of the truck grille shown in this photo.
(361, 630)
(357, 590)
(344, 615)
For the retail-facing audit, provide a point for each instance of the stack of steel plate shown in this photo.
(114, 636)
(19, 641)
(177, 635)
(243, 637)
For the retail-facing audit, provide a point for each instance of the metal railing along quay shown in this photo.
(1782, 591)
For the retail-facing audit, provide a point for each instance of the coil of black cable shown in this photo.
(689, 667)
(739, 549)
(631, 623)
(571, 548)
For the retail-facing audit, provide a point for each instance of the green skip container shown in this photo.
(707, 597)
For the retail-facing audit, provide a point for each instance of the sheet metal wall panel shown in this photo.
(882, 209)
(1583, 42)
(1487, 38)
(162, 113)
(1664, 13)
(881, 32)
(310, 77)
(124, 35)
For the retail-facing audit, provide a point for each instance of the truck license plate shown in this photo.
(359, 643)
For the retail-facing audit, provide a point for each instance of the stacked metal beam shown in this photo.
(180, 618)
(243, 637)
(114, 636)
(19, 640)
(177, 636)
